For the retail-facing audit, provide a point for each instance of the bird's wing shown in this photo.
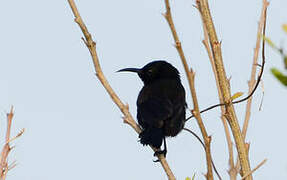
(154, 111)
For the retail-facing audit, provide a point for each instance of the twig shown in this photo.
(6, 148)
(224, 121)
(12, 165)
(207, 139)
(18, 135)
(224, 86)
(202, 143)
(261, 30)
(258, 166)
(255, 61)
(252, 87)
(261, 103)
(238, 101)
(91, 45)
(190, 76)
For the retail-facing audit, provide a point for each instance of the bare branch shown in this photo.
(252, 87)
(251, 82)
(224, 121)
(202, 143)
(258, 166)
(190, 76)
(18, 135)
(6, 148)
(224, 85)
(91, 45)
(260, 31)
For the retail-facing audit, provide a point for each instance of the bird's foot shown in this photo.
(159, 152)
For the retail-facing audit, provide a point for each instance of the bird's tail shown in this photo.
(152, 136)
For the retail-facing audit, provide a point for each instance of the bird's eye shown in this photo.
(150, 71)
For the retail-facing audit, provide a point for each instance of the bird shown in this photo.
(161, 104)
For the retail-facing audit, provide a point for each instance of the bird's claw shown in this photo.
(156, 160)
(160, 152)
(157, 153)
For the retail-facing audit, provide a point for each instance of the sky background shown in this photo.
(75, 131)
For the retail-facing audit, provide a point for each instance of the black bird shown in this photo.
(161, 103)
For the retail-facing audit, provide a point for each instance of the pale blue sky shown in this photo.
(74, 130)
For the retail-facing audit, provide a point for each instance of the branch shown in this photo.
(190, 76)
(261, 29)
(202, 143)
(224, 86)
(91, 45)
(4, 167)
(224, 120)
(6, 148)
(255, 61)
(207, 139)
(251, 90)
(258, 166)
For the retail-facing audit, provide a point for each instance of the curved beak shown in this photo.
(136, 70)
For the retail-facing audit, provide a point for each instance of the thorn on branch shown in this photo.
(164, 15)
(12, 165)
(252, 171)
(194, 113)
(192, 72)
(217, 43)
(84, 41)
(209, 139)
(127, 106)
(125, 120)
(194, 5)
(177, 44)
(77, 20)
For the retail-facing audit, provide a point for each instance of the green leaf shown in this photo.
(269, 42)
(285, 61)
(284, 27)
(279, 75)
(236, 95)
(188, 178)
(193, 177)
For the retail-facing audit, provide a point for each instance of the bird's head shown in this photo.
(155, 70)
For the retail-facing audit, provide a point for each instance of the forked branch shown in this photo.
(260, 31)
(224, 86)
(91, 45)
(190, 76)
(4, 167)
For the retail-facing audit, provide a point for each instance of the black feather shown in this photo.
(161, 102)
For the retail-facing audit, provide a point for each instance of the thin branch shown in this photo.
(261, 103)
(224, 86)
(224, 120)
(178, 46)
(260, 31)
(18, 135)
(12, 165)
(190, 76)
(255, 61)
(91, 45)
(207, 139)
(238, 101)
(202, 143)
(252, 87)
(6, 148)
(257, 167)
(195, 135)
